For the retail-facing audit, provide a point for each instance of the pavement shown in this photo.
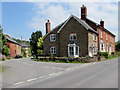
(26, 73)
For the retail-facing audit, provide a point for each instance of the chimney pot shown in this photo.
(83, 12)
(47, 26)
(102, 23)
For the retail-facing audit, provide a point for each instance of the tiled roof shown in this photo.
(10, 39)
(80, 21)
(24, 45)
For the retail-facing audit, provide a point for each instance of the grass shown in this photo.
(1, 69)
(58, 61)
(113, 56)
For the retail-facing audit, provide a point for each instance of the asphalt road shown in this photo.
(29, 74)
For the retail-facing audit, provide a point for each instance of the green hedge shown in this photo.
(105, 54)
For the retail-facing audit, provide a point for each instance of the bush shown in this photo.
(105, 54)
(112, 53)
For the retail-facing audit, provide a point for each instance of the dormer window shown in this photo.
(73, 36)
(52, 38)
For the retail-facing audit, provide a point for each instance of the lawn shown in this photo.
(1, 68)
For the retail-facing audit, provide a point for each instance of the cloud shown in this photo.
(59, 11)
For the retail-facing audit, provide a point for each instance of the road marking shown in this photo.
(31, 79)
(43, 77)
(18, 83)
(98, 73)
(52, 74)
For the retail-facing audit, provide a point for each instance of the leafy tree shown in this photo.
(40, 46)
(23, 52)
(3, 48)
(117, 46)
(5, 51)
(40, 43)
(33, 42)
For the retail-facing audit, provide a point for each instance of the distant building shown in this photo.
(14, 47)
(26, 48)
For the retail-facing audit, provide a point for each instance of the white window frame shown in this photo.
(95, 37)
(72, 35)
(52, 50)
(74, 51)
(101, 34)
(52, 37)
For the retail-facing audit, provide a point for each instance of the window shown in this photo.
(73, 36)
(77, 50)
(111, 39)
(71, 51)
(52, 37)
(95, 37)
(106, 36)
(53, 50)
(101, 34)
(15, 51)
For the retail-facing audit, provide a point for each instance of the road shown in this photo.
(24, 73)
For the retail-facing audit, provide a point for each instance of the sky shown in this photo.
(23, 18)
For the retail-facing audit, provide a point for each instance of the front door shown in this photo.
(73, 51)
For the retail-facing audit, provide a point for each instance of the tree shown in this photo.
(117, 46)
(40, 46)
(3, 48)
(23, 52)
(5, 51)
(33, 42)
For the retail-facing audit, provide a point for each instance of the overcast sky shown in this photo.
(23, 18)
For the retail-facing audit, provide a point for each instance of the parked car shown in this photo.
(18, 56)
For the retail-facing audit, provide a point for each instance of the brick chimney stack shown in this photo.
(83, 12)
(47, 26)
(102, 23)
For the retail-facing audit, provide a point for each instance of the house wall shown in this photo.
(110, 41)
(92, 42)
(47, 44)
(82, 38)
(12, 48)
(18, 49)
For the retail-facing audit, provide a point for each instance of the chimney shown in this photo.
(102, 23)
(83, 12)
(47, 26)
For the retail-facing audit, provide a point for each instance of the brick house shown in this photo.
(14, 47)
(106, 39)
(76, 37)
(26, 48)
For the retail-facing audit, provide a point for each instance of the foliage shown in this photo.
(29, 51)
(117, 46)
(40, 52)
(23, 52)
(105, 54)
(5, 51)
(40, 43)
(33, 42)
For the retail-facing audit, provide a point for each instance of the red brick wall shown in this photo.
(12, 48)
(109, 41)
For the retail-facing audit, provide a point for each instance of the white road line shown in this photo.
(43, 77)
(52, 74)
(18, 83)
(32, 79)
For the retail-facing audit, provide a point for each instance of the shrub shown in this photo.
(112, 53)
(105, 54)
